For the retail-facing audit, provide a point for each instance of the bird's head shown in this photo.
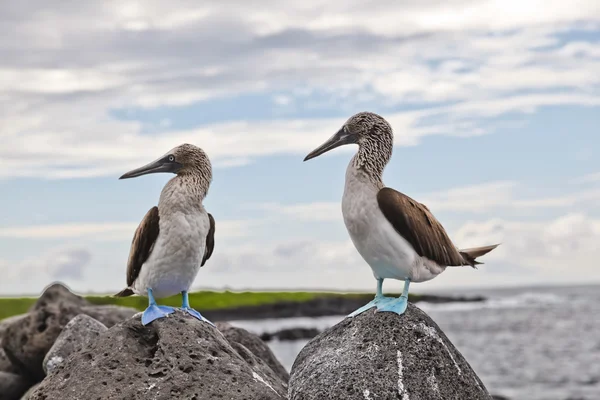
(367, 129)
(185, 159)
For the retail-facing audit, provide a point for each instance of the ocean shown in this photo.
(525, 343)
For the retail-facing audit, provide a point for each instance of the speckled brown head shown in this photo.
(183, 160)
(371, 132)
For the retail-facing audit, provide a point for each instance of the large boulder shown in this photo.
(78, 333)
(12, 386)
(27, 339)
(109, 315)
(173, 357)
(6, 322)
(6, 365)
(58, 293)
(27, 394)
(255, 345)
(381, 355)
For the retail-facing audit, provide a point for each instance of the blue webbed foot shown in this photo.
(376, 302)
(393, 304)
(196, 314)
(185, 306)
(154, 312)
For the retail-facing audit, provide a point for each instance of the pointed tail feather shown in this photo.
(470, 255)
(124, 293)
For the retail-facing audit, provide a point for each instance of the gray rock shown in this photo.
(174, 357)
(7, 321)
(12, 386)
(27, 395)
(6, 365)
(255, 345)
(27, 340)
(58, 293)
(77, 334)
(384, 356)
(109, 315)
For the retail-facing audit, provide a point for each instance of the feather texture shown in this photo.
(417, 225)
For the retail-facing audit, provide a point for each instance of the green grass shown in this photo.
(14, 306)
(208, 300)
(205, 300)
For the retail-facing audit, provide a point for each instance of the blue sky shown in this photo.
(495, 108)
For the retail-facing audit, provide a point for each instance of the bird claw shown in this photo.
(196, 314)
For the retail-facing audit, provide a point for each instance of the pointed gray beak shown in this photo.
(341, 138)
(163, 164)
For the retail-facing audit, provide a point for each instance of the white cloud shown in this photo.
(487, 59)
(477, 199)
(560, 250)
(317, 211)
(555, 251)
(109, 231)
(565, 246)
(503, 195)
(34, 273)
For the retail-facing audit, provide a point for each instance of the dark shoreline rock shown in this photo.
(173, 357)
(255, 345)
(321, 306)
(381, 355)
(12, 386)
(290, 334)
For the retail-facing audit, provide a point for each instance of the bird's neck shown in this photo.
(184, 192)
(371, 159)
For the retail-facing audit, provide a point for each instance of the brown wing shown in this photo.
(415, 223)
(210, 240)
(142, 244)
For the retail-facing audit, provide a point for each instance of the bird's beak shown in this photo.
(161, 165)
(341, 138)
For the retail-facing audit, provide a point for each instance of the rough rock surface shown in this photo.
(12, 386)
(77, 334)
(109, 315)
(255, 345)
(8, 321)
(381, 355)
(27, 340)
(174, 357)
(27, 395)
(6, 365)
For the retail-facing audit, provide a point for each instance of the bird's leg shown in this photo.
(379, 298)
(399, 304)
(154, 311)
(185, 306)
(379, 293)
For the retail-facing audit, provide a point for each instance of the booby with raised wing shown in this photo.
(397, 236)
(174, 239)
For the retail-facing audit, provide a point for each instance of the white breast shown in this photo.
(388, 254)
(177, 254)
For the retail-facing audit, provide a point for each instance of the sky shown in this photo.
(495, 107)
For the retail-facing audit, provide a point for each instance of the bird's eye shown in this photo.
(171, 158)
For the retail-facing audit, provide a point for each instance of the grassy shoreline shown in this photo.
(203, 300)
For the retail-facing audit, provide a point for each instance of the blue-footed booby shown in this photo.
(397, 236)
(174, 239)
